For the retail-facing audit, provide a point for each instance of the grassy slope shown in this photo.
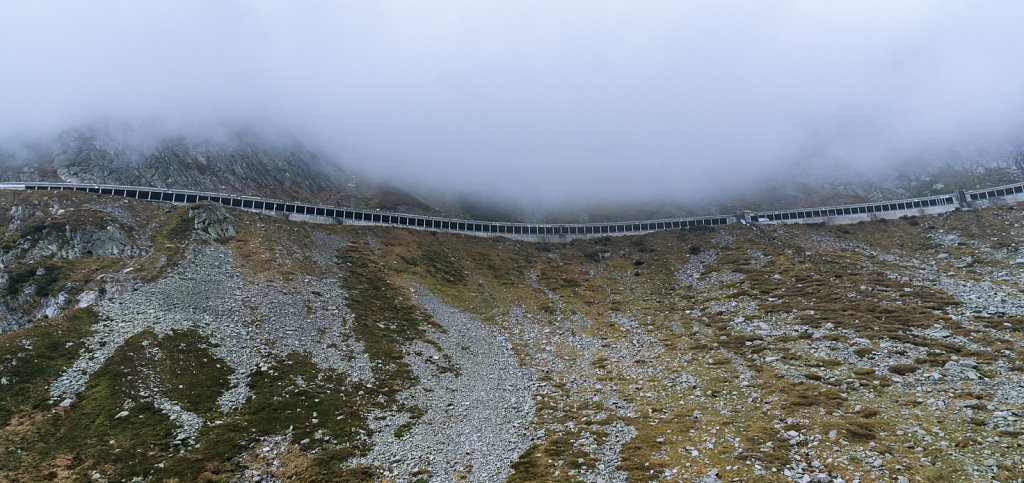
(816, 283)
(489, 277)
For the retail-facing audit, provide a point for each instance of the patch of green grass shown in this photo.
(37, 227)
(54, 346)
(812, 395)
(385, 317)
(88, 436)
(325, 467)
(292, 394)
(645, 453)
(904, 369)
(868, 412)
(190, 374)
(863, 351)
(1013, 324)
(934, 359)
(756, 439)
(44, 283)
(169, 241)
(180, 226)
(440, 264)
(533, 464)
(858, 429)
(738, 341)
(18, 279)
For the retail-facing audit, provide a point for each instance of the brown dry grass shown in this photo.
(489, 276)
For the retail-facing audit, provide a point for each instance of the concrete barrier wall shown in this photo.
(842, 214)
(999, 195)
(555, 233)
(332, 214)
(860, 217)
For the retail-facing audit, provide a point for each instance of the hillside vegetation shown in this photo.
(141, 342)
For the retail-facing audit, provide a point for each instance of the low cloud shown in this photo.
(535, 100)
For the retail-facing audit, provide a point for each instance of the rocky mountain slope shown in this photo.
(817, 183)
(201, 343)
(244, 161)
(240, 161)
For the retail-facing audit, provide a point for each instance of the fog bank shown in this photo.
(535, 100)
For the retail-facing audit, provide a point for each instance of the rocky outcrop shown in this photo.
(211, 220)
(45, 243)
(110, 241)
(19, 214)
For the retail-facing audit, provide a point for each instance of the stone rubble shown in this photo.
(608, 453)
(248, 323)
(593, 375)
(470, 384)
(263, 459)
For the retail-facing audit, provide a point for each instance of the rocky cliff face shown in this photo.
(212, 220)
(65, 251)
(241, 162)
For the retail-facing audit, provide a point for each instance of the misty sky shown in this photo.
(541, 99)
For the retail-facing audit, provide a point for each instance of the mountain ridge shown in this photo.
(244, 161)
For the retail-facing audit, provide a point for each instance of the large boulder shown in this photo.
(110, 241)
(213, 221)
(19, 214)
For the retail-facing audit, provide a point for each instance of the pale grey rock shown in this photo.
(87, 239)
(207, 293)
(19, 214)
(213, 221)
(476, 418)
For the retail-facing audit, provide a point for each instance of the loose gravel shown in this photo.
(248, 323)
(476, 402)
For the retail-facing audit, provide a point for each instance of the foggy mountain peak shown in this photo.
(512, 240)
(533, 103)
